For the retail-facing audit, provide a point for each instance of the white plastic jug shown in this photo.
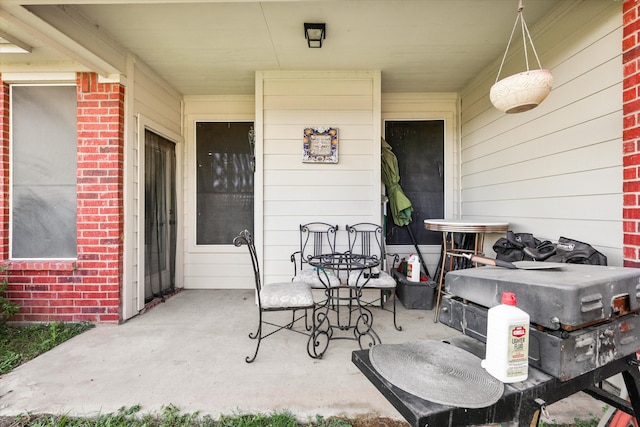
(413, 268)
(507, 355)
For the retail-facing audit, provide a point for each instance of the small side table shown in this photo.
(452, 226)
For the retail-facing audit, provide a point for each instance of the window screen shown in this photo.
(224, 181)
(419, 148)
(43, 180)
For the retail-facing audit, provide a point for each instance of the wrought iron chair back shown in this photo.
(245, 238)
(367, 239)
(316, 238)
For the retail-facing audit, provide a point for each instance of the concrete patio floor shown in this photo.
(190, 351)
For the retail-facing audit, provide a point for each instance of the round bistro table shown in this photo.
(450, 227)
(361, 324)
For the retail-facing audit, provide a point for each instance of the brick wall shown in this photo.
(631, 132)
(88, 288)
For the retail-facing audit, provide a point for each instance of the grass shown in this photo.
(591, 422)
(21, 344)
(171, 417)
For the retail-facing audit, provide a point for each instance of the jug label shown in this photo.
(518, 350)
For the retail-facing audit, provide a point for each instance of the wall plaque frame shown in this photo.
(320, 145)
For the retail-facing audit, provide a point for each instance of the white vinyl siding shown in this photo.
(211, 266)
(297, 193)
(555, 170)
(152, 104)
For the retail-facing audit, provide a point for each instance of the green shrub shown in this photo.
(7, 308)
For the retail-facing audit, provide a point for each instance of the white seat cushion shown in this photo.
(286, 295)
(310, 277)
(384, 280)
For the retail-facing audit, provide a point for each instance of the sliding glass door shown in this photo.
(160, 216)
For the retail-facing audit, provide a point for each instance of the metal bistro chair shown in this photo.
(316, 238)
(367, 239)
(286, 296)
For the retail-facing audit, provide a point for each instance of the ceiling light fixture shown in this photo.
(314, 33)
(526, 90)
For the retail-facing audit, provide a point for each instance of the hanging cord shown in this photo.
(525, 36)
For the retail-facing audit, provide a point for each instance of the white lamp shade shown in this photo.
(521, 92)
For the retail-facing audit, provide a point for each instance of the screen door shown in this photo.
(160, 216)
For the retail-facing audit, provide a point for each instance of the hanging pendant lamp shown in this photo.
(526, 90)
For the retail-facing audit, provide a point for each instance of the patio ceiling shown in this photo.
(215, 47)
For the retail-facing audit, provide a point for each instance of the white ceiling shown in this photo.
(215, 47)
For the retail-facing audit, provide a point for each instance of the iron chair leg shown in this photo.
(395, 297)
(306, 321)
(253, 336)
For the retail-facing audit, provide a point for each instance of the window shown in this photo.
(43, 171)
(225, 165)
(419, 148)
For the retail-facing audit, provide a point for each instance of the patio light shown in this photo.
(314, 33)
(526, 90)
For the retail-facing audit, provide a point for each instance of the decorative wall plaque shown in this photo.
(320, 145)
